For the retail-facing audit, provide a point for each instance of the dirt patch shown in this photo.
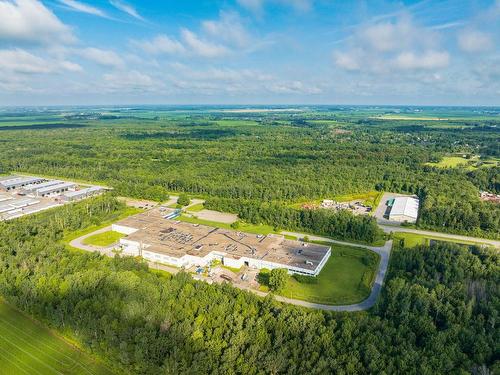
(221, 217)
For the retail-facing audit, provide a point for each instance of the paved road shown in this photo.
(457, 237)
(78, 243)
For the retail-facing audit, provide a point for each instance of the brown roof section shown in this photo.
(177, 238)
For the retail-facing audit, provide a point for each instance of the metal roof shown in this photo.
(407, 206)
(77, 193)
(34, 187)
(20, 181)
(49, 189)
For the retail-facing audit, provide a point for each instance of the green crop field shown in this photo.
(28, 348)
(346, 278)
(103, 239)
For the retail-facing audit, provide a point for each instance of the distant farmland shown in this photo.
(28, 348)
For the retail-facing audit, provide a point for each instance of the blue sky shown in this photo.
(441, 52)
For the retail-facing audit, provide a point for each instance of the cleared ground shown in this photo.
(103, 239)
(471, 164)
(28, 348)
(243, 227)
(346, 278)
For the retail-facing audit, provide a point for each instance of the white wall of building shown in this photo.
(123, 229)
(133, 248)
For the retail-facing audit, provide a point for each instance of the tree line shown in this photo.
(339, 224)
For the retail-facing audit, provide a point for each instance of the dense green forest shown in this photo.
(437, 315)
(267, 158)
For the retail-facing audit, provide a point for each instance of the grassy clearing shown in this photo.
(450, 162)
(346, 278)
(196, 207)
(28, 348)
(410, 240)
(103, 239)
(372, 198)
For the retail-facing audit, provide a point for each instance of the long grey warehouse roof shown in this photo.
(20, 181)
(11, 177)
(42, 185)
(49, 189)
(77, 193)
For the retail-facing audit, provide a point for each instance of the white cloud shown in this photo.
(228, 28)
(102, 57)
(84, 8)
(427, 60)
(294, 87)
(257, 6)
(474, 41)
(129, 81)
(202, 47)
(160, 44)
(388, 46)
(126, 8)
(20, 61)
(348, 61)
(392, 36)
(30, 21)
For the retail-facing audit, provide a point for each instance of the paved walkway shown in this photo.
(457, 237)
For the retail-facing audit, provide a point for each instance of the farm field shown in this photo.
(28, 348)
(346, 278)
(103, 239)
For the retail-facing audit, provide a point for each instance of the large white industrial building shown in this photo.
(404, 209)
(182, 244)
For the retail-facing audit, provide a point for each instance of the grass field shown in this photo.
(450, 162)
(28, 348)
(346, 278)
(471, 164)
(410, 240)
(126, 212)
(196, 207)
(103, 239)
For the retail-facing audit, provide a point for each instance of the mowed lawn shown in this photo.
(346, 278)
(28, 348)
(103, 239)
(410, 240)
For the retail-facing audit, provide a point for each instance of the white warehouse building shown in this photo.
(404, 209)
(182, 244)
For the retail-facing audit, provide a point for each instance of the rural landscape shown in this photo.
(173, 237)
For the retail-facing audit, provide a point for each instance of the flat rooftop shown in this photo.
(177, 238)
